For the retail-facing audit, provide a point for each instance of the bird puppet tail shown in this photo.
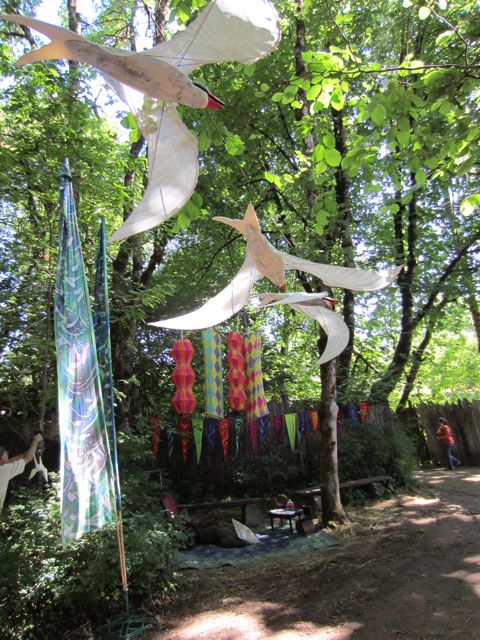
(58, 35)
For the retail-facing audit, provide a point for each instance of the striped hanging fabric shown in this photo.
(183, 376)
(257, 405)
(86, 472)
(212, 360)
(237, 380)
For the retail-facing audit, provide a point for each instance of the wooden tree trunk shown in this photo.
(332, 509)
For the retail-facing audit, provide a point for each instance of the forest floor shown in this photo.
(408, 568)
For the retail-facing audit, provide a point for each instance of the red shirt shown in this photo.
(444, 435)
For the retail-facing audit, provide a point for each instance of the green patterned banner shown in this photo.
(86, 473)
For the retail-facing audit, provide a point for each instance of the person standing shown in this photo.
(11, 467)
(447, 442)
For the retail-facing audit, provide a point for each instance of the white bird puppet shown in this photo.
(319, 307)
(263, 260)
(39, 468)
(152, 82)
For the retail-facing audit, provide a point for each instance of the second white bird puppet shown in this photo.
(263, 260)
(152, 82)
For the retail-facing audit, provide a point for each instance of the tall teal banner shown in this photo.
(86, 471)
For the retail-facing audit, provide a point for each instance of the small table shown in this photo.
(285, 514)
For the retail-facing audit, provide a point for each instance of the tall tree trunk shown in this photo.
(332, 509)
(132, 273)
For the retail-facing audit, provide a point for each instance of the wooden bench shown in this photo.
(224, 504)
(310, 493)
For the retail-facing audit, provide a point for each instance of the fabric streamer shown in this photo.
(314, 421)
(184, 429)
(290, 421)
(237, 381)
(363, 408)
(183, 376)
(237, 428)
(257, 405)
(210, 430)
(277, 426)
(303, 423)
(352, 415)
(101, 326)
(224, 431)
(86, 471)
(212, 361)
(263, 423)
(253, 434)
(155, 426)
(197, 427)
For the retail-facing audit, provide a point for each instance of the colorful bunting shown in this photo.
(302, 423)
(184, 429)
(290, 421)
(224, 431)
(155, 426)
(212, 360)
(237, 428)
(253, 435)
(363, 411)
(277, 426)
(197, 426)
(314, 421)
(263, 423)
(210, 430)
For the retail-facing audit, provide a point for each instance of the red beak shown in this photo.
(214, 102)
(283, 288)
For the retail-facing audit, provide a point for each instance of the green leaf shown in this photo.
(277, 97)
(444, 36)
(468, 205)
(424, 12)
(333, 157)
(234, 145)
(379, 114)
(329, 140)
(318, 153)
(407, 4)
(337, 100)
(403, 138)
(313, 92)
(420, 177)
(204, 141)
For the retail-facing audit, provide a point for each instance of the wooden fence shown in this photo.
(464, 418)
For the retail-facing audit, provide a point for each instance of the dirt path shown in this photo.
(408, 570)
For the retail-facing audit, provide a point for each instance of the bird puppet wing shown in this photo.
(222, 306)
(332, 276)
(226, 30)
(313, 306)
(173, 173)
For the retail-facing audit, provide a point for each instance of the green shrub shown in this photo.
(371, 450)
(46, 589)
